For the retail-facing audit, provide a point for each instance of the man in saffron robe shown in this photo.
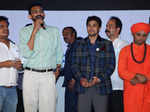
(134, 69)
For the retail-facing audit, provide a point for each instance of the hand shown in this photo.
(57, 72)
(17, 64)
(9, 63)
(141, 78)
(71, 84)
(84, 82)
(37, 24)
(134, 81)
(94, 81)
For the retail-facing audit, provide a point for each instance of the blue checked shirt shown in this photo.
(103, 67)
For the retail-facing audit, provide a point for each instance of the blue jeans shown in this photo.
(8, 99)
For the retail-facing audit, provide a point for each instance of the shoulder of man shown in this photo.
(29, 24)
(54, 28)
(82, 41)
(78, 43)
(11, 41)
(126, 48)
(105, 40)
(124, 42)
(13, 45)
(26, 27)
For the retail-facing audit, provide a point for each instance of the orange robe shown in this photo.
(136, 97)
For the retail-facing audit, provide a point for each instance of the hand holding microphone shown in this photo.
(39, 22)
(107, 31)
(41, 18)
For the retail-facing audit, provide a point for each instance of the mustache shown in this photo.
(39, 17)
(107, 31)
(65, 38)
(92, 35)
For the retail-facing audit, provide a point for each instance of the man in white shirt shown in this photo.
(9, 63)
(113, 30)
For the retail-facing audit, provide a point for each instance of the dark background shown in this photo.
(78, 4)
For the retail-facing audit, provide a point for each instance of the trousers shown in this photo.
(39, 91)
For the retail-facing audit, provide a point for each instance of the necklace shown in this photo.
(132, 54)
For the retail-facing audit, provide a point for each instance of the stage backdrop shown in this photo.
(77, 19)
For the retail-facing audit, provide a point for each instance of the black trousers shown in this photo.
(71, 98)
(20, 107)
(116, 101)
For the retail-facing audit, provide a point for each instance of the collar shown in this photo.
(32, 25)
(69, 45)
(97, 40)
(11, 44)
(116, 40)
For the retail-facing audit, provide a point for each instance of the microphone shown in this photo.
(40, 17)
(106, 31)
(42, 25)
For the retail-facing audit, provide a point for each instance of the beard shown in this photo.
(139, 42)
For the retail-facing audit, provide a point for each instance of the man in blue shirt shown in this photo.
(93, 62)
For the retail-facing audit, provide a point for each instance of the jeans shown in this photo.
(8, 99)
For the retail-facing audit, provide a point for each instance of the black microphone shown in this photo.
(42, 25)
(106, 31)
(40, 17)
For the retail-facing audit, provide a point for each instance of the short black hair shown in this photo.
(118, 22)
(33, 5)
(4, 18)
(72, 29)
(94, 18)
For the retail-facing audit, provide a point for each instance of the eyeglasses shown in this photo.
(143, 35)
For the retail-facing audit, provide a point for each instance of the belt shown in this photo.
(8, 86)
(37, 70)
(117, 92)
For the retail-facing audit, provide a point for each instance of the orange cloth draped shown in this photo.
(136, 97)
